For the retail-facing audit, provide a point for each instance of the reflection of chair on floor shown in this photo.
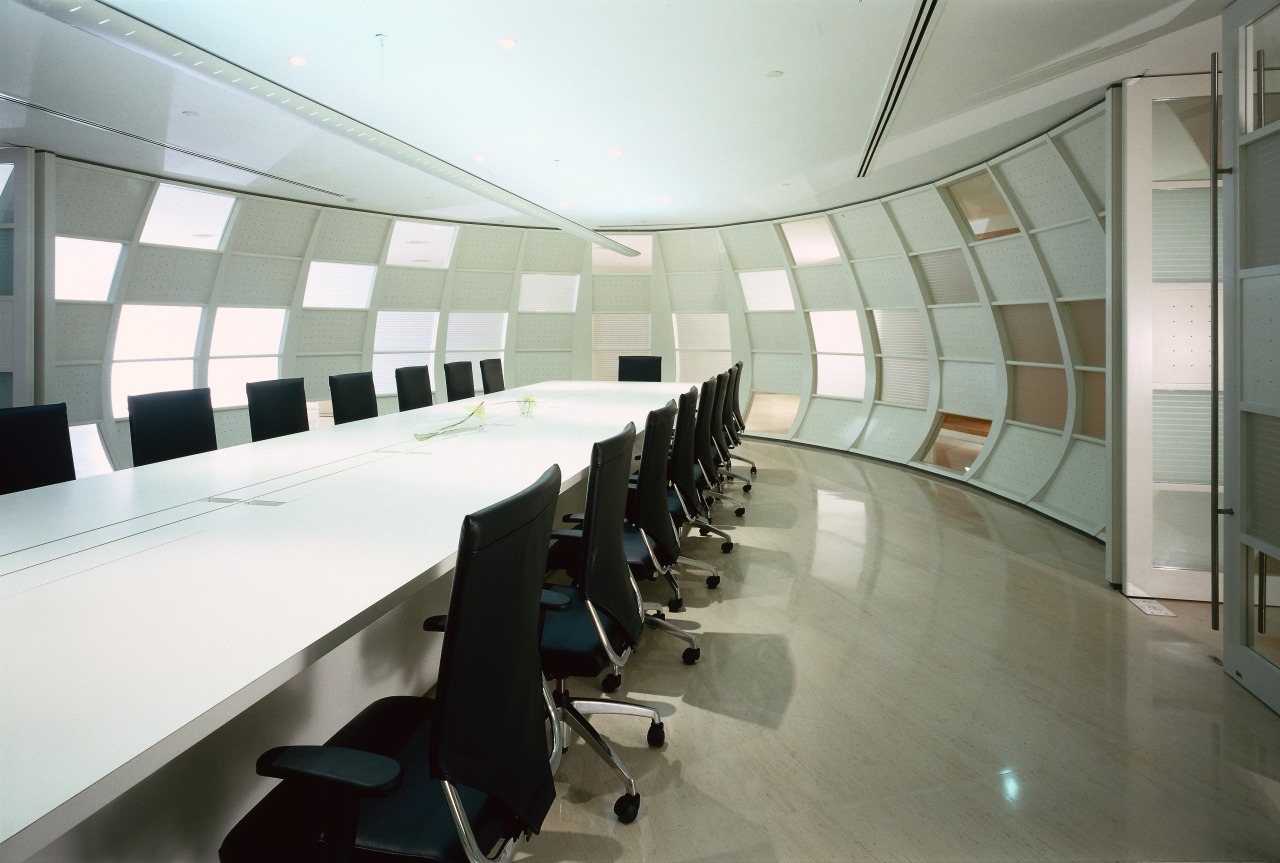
(449, 779)
(605, 619)
(684, 499)
(35, 447)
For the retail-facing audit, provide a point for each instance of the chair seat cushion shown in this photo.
(570, 645)
(637, 554)
(412, 824)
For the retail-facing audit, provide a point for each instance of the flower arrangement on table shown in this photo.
(526, 403)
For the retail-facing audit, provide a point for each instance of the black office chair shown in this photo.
(720, 431)
(605, 619)
(491, 375)
(353, 397)
(276, 408)
(705, 453)
(169, 425)
(733, 417)
(445, 779)
(685, 502)
(413, 387)
(640, 368)
(35, 447)
(459, 380)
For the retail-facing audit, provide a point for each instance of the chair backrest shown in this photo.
(736, 401)
(459, 380)
(717, 413)
(169, 425)
(353, 397)
(605, 578)
(680, 467)
(640, 368)
(413, 387)
(704, 447)
(491, 375)
(651, 513)
(488, 728)
(276, 408)
(728, 417)
(35, 447)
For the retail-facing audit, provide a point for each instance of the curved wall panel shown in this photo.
(980, 322)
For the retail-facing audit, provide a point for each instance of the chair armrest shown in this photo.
(436, 623)
(554, 600)
(363, 773)
(574, 535)
(574, 517)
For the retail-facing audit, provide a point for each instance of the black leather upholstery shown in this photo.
(413, 387)
(459, 380)
(276, 408)
(170, 425)
(640, 368)
(491, 375)
(35, 447)
(353, 397)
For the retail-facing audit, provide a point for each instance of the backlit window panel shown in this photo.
(156, 332)
(766, 291)
(241, 332)
(87, 452)
(338, 286)
(698, 366)
(185, 217)
(421, 244)
(476, 331)
(385, 365)
(405, 332)
(228, 376)
(811, 241)
(544, 292)
(615, 335)
(836, 332)
(84, 269)
(138, 378)
(841, 375)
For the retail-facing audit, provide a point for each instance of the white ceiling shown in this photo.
(682, 89)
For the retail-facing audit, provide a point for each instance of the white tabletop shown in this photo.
(141, 610)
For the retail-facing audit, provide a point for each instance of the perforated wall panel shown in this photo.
(969, 389)
(867, 232)
(1079, 490)
(947, 277)
(1021, 461)
(481, 292)
(1011, 270)
(1076, 259)
(832, 423)
(1262, 476)
(887, 282)
(754, 247)
(826, 287)
(322, 331)
(900, 331)
(271, 227)
(894, 432)
(1261, 374)
(690, 251)
(484, 248)
(924, 221)
(776, 331)
(696, 292)
(409, 288)
(254, 281)
(544, 331)
(965, 332)
(81, 388)
(1085, 149)
(231, 427)
(99, 205)
(315, 372)
(351, 237)
(709, 331)
(1180, 335)
(904, 381)
(778, 373)
(165, 275)
(531, 368)
(82, 331)
(697, 366)
(617, 293)
(1042, 187)
(553, 252)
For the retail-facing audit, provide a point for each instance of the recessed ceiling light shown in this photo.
(298, 60)
(479, 158)
(507, 42)
(616, 151)
(564, 204)
(776, 73)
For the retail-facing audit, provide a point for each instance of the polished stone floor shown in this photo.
(895, 668)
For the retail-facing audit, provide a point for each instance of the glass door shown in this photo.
(1251, 539)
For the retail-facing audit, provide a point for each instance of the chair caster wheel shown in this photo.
(740, 511)
(713, 581)
(657, 736)
(627, 807)
(658, 615)
(691, 655)
(703, 531)
(676, 604)
(726, 547)
(611, 682)
(753, 471)
(747, 487)
(709, 501)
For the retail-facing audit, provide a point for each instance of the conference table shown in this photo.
(143, 609)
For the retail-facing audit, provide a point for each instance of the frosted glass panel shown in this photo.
(766, 291)
(405, 331)
(948, 277)
(1261, 220)
(131, 379)
(83, 269)
(984, 208)
(185, 217)
(698, 366)
(338, 286)
(227, 378)
(836, 332)
(420, 244)
(542, 292)
(246, 332)
(1262, 476)
(385, 365)
(156, 332)
(1180, 234)
(476, 331)
(87, 452)
(811, 241)
(841, 375)
(904, 381)
(900, 331)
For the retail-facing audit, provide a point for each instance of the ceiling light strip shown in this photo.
(898, 83)
(110, 24)
(104, 128)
